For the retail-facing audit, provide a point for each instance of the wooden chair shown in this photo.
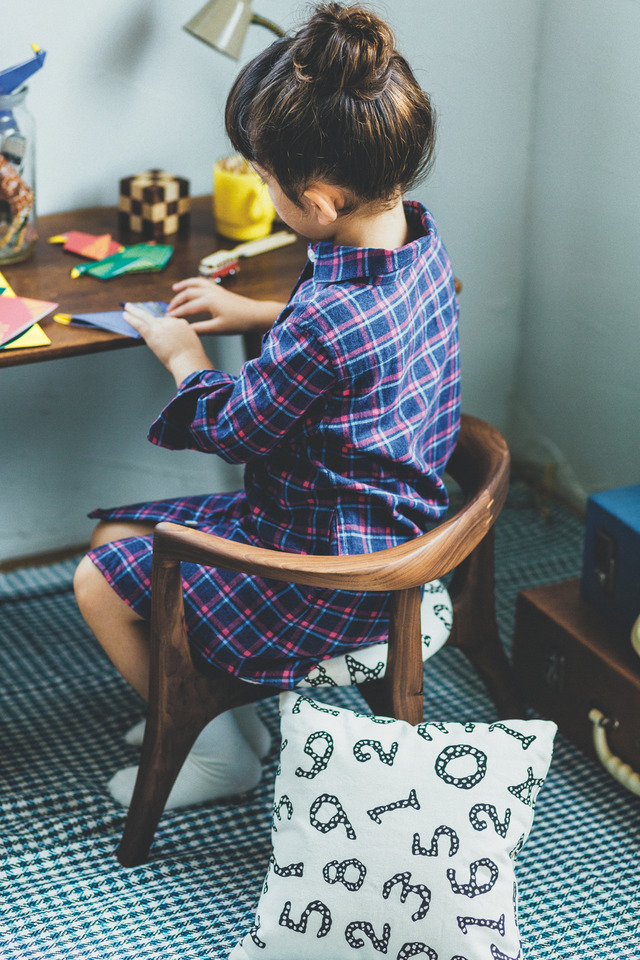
(183, 697)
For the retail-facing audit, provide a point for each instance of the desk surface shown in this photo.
(46, 276)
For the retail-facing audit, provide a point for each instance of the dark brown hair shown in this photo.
(334, 102)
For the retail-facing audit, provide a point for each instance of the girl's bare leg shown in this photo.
(221, 762)
(122, 634)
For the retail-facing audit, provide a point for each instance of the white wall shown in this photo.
(576, 402)
(479, 58)
(123, 89)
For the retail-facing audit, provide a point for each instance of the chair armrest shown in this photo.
(480, 461)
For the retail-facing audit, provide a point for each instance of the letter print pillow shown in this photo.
(369, 663)
(396, 841)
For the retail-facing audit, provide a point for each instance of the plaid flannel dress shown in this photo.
(345, 424)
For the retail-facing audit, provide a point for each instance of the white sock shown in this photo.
(251, 727)
(221, 764)
(135, 734)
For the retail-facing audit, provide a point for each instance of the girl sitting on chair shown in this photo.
(347, 418)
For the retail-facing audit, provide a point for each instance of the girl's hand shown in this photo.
(174, 342)
(229, 312)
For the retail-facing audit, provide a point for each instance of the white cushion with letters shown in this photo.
(369, 663)
(396, 839)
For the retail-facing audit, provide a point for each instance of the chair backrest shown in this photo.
(480, 465)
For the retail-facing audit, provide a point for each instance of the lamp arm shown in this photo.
(263, 22)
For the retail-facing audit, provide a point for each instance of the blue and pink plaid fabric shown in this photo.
(345, 423)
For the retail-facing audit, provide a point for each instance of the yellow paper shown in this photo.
(5, 288)
(34, 336)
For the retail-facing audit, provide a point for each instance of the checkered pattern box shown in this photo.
(154, 203)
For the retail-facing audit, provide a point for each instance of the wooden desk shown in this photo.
(46, 276)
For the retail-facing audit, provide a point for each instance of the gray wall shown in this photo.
(576, 398)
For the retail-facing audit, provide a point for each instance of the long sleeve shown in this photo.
(244, 417)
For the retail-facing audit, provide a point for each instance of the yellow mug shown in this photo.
(242, 207)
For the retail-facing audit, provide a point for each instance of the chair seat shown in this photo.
(369, 663)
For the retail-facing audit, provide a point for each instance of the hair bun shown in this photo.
(345, 49)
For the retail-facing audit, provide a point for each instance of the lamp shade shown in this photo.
(222, 24)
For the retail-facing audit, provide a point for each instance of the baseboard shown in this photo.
(542, 481)
(541, 462)
(43, 559)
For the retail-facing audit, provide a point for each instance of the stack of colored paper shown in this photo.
(19, 317)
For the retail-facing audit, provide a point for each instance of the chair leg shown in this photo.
(399, 693)
(475, 629)
(175, 717)
(182, 700)
(375, 694)
(167, 741)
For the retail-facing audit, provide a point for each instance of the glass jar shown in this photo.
(17, 178)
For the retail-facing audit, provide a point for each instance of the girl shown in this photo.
(347, 418)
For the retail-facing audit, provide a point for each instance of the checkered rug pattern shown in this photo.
(63, 896)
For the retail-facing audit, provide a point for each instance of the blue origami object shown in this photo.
(13, 77)
(113, 320)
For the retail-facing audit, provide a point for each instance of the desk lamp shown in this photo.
(223, 25)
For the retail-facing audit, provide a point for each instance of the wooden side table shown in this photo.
(575, 667)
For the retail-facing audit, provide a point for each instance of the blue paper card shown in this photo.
(114, 321)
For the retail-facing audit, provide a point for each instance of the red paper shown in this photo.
(90, 245)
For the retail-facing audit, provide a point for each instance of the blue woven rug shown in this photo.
(64, 712)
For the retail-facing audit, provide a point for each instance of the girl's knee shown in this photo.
(91, 589)
(85, 582)
(95, 596)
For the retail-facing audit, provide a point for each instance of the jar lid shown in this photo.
(8, 101)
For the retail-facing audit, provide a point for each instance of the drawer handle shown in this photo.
(635, 636)
(620, 771)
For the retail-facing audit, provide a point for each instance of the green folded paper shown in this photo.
(140, 258)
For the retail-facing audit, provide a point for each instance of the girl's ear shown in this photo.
(326, 201)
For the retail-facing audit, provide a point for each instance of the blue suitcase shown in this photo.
(611, 561)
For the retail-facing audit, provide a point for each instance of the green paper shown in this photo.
(140, 258)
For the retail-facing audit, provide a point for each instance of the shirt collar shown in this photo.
(332, 264)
